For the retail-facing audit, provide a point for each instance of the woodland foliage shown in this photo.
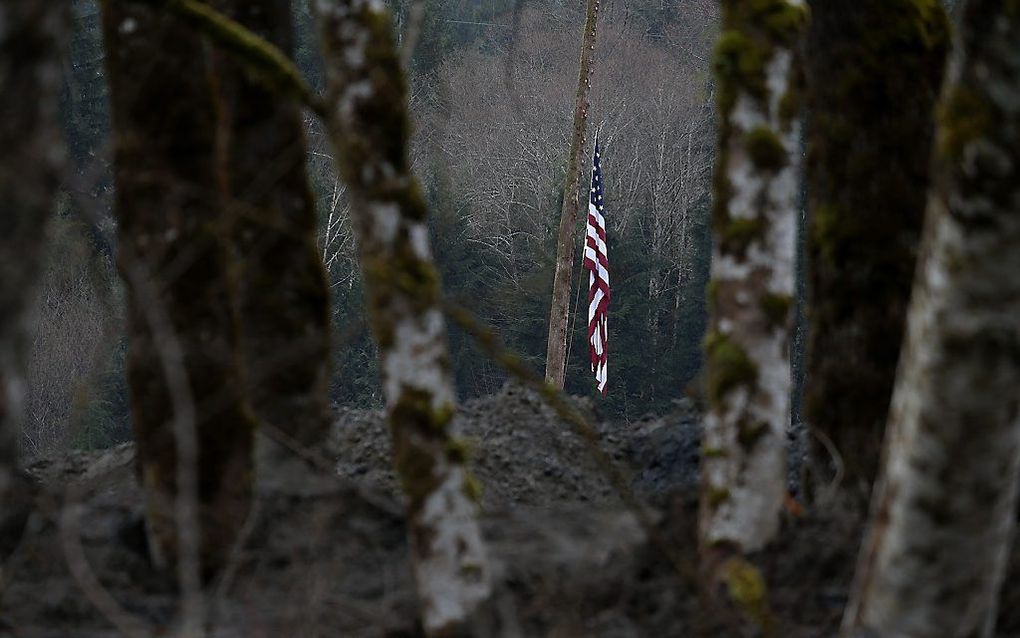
(173, 111)
(492, 171)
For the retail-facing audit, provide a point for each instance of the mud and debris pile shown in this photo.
(325, 554)
(523, 454)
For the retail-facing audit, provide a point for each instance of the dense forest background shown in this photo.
(493, 169)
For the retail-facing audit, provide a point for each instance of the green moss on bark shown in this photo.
(790, 104)
(171, 219)
(708, 452)
(739, 65)
(736, 235)
(274, 228)
(752, 31)
(874, 69)
(728, 367)
(458, 450)
(472, 487)
(748, 433)
(964, 116)
(746, 587)
(370, 131)
(716, 497)
(776, 308)
(766, 149)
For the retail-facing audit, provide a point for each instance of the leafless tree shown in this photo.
(283, 298)
(944, 512)
(193, 433)
(505, 165)
(873, 69)
(370, 129)
(32, 35)
(72, 340)
(755, 220)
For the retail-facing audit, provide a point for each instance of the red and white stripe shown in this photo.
(596, 261)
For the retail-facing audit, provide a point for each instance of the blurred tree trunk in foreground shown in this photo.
(32, 38)
(874, 68)
(944, 510)
(563, 277)
(283, 300)
(755, 220)
(193, 434)
(370, 128)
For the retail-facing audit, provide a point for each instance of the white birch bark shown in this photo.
(370, 128)
(944, 511)
(744, 456)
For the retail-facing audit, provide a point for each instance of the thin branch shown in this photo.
(77, 562)
(171, 358)
(415, 21)
(264, 62)
(490, 343)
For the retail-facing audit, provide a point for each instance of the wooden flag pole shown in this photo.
(559, 313)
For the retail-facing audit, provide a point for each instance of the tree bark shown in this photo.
(193, 434)
(283, 297)
(755, 218)
(944, 512)
(874, 68)
(32, 38)
(370, 129)
(563, 277)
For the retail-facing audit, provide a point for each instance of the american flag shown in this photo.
(596, 262)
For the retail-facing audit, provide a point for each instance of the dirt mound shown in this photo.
(326, 556)
(523, 454)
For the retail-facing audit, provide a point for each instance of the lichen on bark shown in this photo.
(174, 257)
(944, 510)
(747, 360)
(874, 68)
(369, 128)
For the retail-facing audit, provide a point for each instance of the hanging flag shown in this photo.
(596, 262)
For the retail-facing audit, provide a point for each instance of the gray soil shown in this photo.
(326, 555)
(524, 455)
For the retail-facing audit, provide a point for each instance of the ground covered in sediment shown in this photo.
(324, 553)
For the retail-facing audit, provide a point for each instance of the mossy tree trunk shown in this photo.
(874, 68)
(755, 221)
(283, 297)
(370, 127)
(193, 434)
(32, 38)
(563, 276)
(945, 509)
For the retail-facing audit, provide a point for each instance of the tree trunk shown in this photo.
(370, 130)
(874, 68)
(283, 300)
(944, 511)
(194, 436)
(747, 348)
(32, 38)
(563, 277)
